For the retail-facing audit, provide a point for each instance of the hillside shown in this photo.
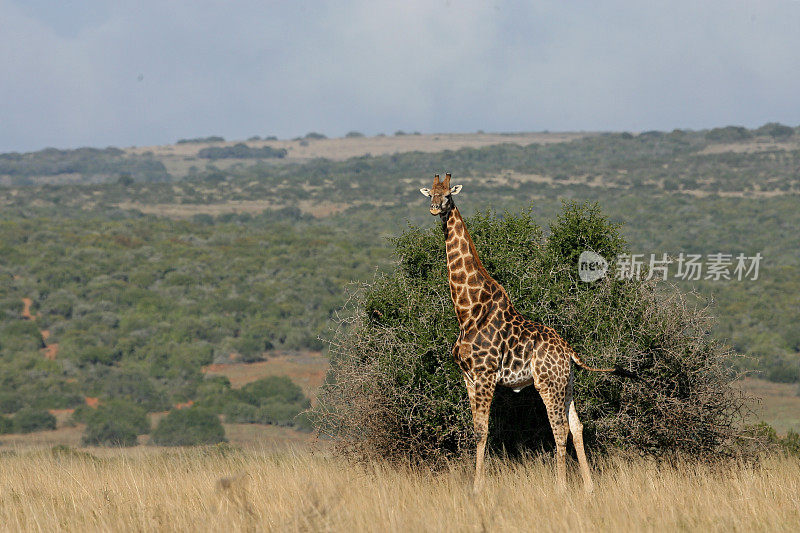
(159, 267)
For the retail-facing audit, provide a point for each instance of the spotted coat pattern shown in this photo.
(496, 345)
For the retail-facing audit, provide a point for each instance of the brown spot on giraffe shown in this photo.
(498, 346)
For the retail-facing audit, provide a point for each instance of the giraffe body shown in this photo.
(496, 345)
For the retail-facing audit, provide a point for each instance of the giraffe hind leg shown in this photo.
(554, 402)
(576, 428)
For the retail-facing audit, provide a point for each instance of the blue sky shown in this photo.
(136, 73)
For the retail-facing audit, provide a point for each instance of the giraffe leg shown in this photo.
(554, 402)
(481, 395)
(576, 428)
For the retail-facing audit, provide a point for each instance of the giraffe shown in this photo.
(496, 345)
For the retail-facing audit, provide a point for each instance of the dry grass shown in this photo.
(211, 490)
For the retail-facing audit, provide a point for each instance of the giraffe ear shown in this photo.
(425, 191)
(455, 189)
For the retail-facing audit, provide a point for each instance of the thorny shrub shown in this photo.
(394, 391)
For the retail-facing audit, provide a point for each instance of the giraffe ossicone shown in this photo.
(496, 345)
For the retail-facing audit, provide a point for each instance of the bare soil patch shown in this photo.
(26, 309)
(306, 369)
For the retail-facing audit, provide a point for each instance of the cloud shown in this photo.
(151, 72)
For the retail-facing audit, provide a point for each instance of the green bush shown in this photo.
(134, 387)
(241, 151)
(781, 369)
(189, 427)
(775, 130)
(394, 390)
(20, 335)
(209, 139)
(28, 420)
(109, 432)
(10, 402)
(213, 393)
(251, 346)
(273, 388)
(271, 400)
(729, 134)
(117, 423)
(278, 413)
(240, 412)
(6, 425)
(765, 435)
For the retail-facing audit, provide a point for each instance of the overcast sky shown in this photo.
(100, 73)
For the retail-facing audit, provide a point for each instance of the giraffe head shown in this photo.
(440, 194)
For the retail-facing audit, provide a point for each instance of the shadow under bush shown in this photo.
(395, 392)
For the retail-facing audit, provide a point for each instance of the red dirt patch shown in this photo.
(92, 402)
(50, 351)
(26, 309)
(184, 405)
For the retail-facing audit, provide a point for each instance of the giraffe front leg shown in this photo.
(481, 401)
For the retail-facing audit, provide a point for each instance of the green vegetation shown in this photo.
(395, 391)
(189, 427)
(272, 400)
(209, 139)
(138, 303)
(729, 134)
(29, 419)
(92, 164)
(775, 130)
(241, 151)
(790, 444)
(117, 423)
(6, 425)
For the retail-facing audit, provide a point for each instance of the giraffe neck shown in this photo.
(466, 274)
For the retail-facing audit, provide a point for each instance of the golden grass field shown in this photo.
(277, 479)
(224, 489)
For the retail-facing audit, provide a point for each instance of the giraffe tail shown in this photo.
(617, 370)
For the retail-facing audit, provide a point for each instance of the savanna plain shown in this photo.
(224, 489)
(206, 276)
